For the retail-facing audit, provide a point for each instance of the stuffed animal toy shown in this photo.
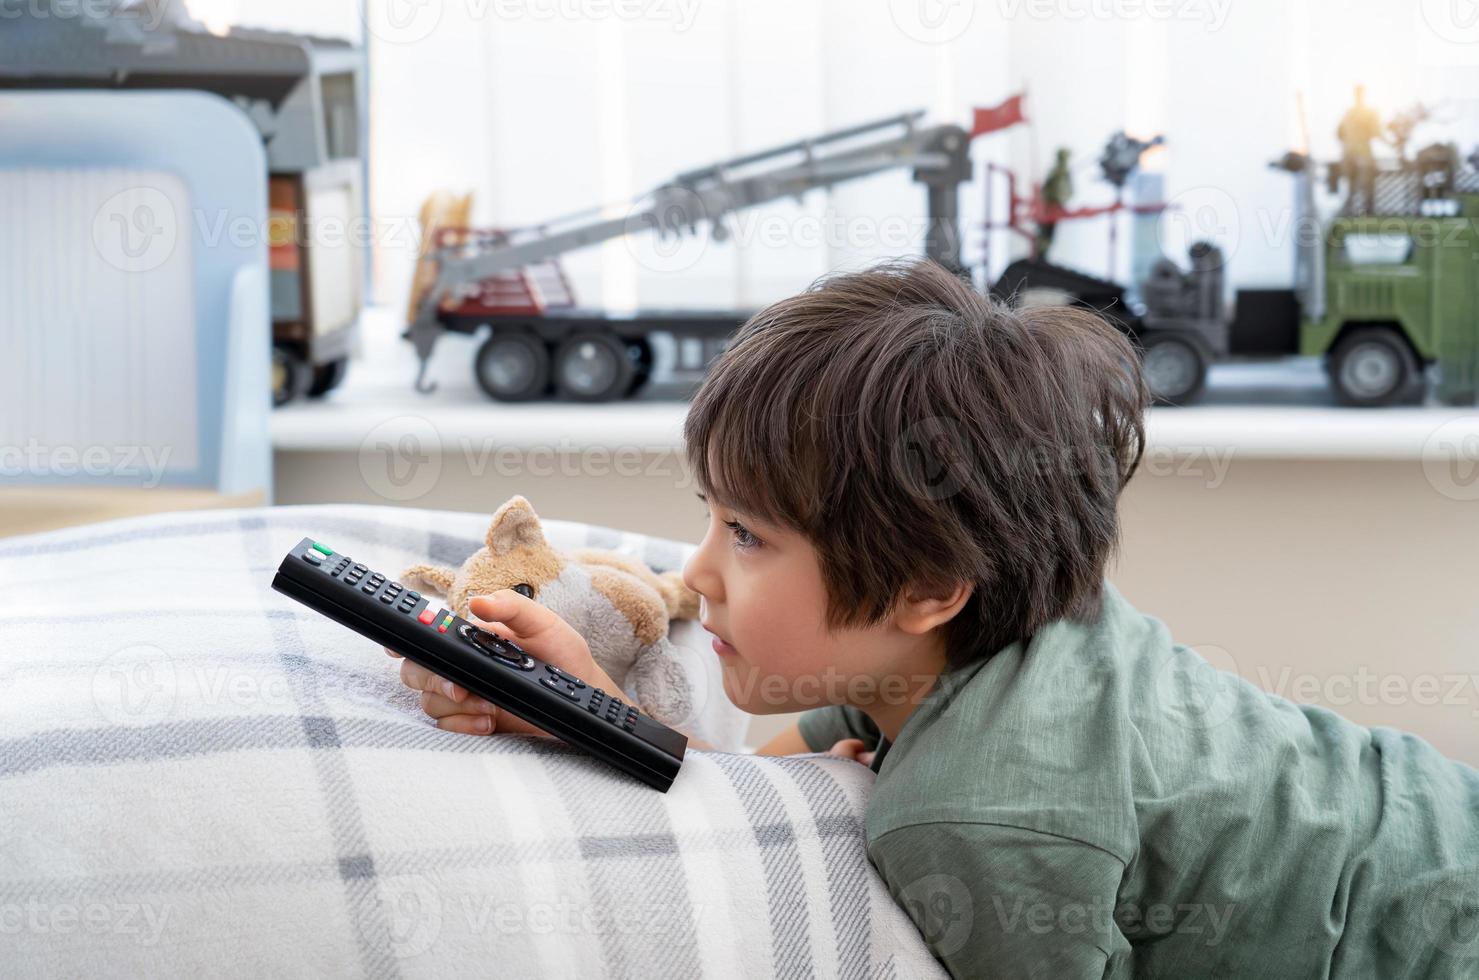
(618, 604)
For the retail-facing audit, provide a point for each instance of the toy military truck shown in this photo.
(1384, 290)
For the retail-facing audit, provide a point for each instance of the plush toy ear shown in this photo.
(430, 578)
(514, 526)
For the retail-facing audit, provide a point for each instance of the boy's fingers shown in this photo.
(439, 705)
(467, 724)
(418, 678)
(866, 758)
(392, 652)
(848, 748)
(461, 719)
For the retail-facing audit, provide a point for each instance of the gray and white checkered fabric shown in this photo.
(200, 777)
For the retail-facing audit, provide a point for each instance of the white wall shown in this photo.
(545, 107)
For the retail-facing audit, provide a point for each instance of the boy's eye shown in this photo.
(742, 536)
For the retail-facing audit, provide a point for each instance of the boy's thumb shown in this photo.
(524, 617)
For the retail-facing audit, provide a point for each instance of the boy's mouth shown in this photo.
(721, 646)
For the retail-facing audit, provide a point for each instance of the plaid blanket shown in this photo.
(199, 776)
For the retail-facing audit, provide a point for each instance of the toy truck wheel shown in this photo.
(512, 367)
(593, 367)
(642, 361)
(1373, 366)
(1175, 368)
(290, 375)
(327, 377)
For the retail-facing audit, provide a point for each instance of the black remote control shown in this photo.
(490, 666)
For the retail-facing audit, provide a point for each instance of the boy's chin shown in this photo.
(757, 694)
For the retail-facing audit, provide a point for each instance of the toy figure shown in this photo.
(618, 604)
(1057, 190)
(1400, 127)
(1358, 128)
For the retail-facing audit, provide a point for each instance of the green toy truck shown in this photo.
(1384, 290)
(1400, 292)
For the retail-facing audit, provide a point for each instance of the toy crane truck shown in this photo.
(509, 283)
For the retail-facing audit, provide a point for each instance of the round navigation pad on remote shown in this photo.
(496, 646)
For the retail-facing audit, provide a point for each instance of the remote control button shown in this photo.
(555, 685)
(498, 648)
(313, 558)
(361, 568)
(413, 595)
(427, 616)
(484, 641)
(369, 588)
(567, 678)
(387, 599)
(323, 548)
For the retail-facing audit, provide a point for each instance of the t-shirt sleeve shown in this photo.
(998, 901)
(823, 728)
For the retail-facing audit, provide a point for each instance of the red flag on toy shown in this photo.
(1009, 113)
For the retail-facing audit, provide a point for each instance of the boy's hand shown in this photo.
(532, 626)
(852, 748)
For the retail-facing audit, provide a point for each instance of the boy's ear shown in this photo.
(923, 608)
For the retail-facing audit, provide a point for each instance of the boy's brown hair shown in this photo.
(921, 434)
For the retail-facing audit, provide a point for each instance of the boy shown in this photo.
(913, 496)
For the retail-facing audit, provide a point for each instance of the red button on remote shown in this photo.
(427, 616)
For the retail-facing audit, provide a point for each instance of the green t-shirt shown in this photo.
(1101, 802)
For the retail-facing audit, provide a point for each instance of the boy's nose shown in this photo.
(699, 577)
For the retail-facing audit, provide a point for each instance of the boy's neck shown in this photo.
(893, 707)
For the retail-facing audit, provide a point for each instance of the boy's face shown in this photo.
(764, 596)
